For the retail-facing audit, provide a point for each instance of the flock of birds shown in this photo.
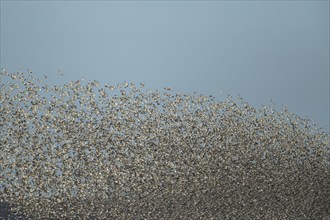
(85, 151)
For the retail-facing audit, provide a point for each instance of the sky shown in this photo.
(260, 50)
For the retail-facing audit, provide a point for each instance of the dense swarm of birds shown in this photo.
(85, 151)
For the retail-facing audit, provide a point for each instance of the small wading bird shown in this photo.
(80, 151)
(60, 73)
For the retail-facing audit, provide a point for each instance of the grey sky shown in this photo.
(261, 50)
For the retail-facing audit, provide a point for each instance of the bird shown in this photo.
(60, 73)
(89, 151)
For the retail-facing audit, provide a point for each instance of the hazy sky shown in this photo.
(261, 50)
